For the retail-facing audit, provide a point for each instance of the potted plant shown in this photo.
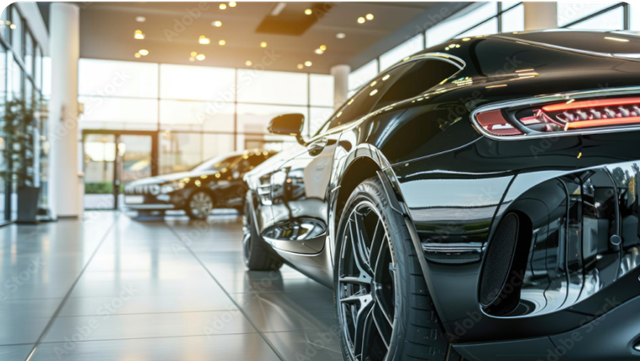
(19, 151)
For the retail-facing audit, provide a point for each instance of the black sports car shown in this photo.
(477, 200)
(215, 183)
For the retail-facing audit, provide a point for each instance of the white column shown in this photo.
(340, 84)
(540, 15)
(64, 190)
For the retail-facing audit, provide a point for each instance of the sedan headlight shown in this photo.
(172, 187)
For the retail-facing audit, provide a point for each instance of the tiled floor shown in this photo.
(109, 287)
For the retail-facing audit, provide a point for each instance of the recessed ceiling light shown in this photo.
(232, 4)
(222, 42)
(263, 44)
(137, 55)
(204, 40)
(248, 63)
(138, 35)
(308, 63)
(300, 66)
(13, 27)
(217, 23)
(141, 19)
(361, 20)
(193, 53)
(308, 12)
(143, 52)
(369, 16)
(318, 51)
(341, 35)
(192, 58)
(200, 57)
(223, 6)
(323, 47)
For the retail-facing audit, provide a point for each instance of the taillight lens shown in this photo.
(561, 117)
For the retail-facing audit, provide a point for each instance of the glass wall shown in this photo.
(484, 18)
(23, 159)
(481, 18)
(198, 112)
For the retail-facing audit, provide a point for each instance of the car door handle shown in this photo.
(317, 146)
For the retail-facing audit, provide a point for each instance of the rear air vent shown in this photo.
(504, 265)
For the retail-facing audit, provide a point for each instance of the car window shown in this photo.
(217, 163)
(422, 76)
(362, 102)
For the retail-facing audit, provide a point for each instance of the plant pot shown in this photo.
(28, 204)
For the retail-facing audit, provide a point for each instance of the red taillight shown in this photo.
(561, 117)
(495, 123)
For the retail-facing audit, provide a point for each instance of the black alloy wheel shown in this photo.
(366, 284)
(383, 306)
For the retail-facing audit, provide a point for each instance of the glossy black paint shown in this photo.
(454, 185)
(225, 185)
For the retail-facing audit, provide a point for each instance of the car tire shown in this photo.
(199, 205)
(258, 256)
(379, 290)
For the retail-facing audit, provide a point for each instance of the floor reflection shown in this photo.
(114, 287)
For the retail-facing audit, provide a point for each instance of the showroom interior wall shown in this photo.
(23, 41)
(196, 118)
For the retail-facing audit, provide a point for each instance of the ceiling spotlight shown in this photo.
(361, 20)
(341, 35)
(369, 16)
(141, 19)
(222, 42)
(192, 58)
(308, 63)
(138, 35)
(143, 52)
(308, 12)
(232, 4)
(248, 63)
(323, 47)
(223, 6)
(318, 51)
(217, 23)
(13, 27)
(193, 54)
(263, 44)
(300, 66)
(204, 40)
(137, 55)
(200, 57)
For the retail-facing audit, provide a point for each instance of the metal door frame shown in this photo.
(117, 134)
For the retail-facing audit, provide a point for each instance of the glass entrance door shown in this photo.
(111, 160)
(134, 161)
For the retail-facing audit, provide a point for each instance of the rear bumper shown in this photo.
(610, 337)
